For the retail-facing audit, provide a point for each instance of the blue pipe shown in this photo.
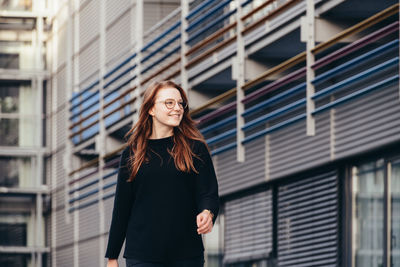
(274, 99)
(353, 63)
(355, 78)
(274, 114)
(359, 93)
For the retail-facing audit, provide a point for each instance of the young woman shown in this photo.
(167, 191)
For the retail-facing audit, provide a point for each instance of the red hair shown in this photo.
(142, 130)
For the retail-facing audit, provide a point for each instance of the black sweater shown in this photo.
(156, 213)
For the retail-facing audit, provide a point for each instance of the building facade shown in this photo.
(24, 189)
(299, 101)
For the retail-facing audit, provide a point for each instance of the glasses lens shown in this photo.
(170, 103)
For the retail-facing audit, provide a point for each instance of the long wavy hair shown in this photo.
(141, 131)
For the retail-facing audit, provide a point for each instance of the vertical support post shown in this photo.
(39, 64)
(240, 55)
(387, 215)
(310, 28)
(39, 228)
(53, 94)
(102, 129)
(139, 45)
(184, 46)
(74, 46)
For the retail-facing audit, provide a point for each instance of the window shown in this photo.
(376, 214)
(395, 212)
(16, 172)
(368, 193)
(18, 114)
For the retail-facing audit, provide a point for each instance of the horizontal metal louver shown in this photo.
(308, 222)
(248, 227)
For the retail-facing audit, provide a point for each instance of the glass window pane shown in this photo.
(17, 55)
(13, 234)
(18, 132)
(15, 260)
(16, 97)
(16, 172)
(368, 190)
(395, 223)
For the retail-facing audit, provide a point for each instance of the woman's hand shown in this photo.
(112, 263)
(204, 222)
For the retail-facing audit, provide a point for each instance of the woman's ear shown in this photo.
(151, 113)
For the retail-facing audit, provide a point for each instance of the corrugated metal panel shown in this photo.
(61, 86)
(89, 22)
(233, 175)
(89, 221)
(62, 128)
(291, 150)
(89, 253)
(64, 232)
(155, 11)
(118, 36)
(89, 61)
(308, 222)
(115, 8)
(248, 227)
(61, 45)
(64, 257)
(59, 197)
(60, 171)
(368, 122)
(108, 207)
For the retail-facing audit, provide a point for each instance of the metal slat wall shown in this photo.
(64, 257)
(89, 224)
(118, 36)
(248, 227)
(291, 150)
(308, 222)
(89, 62)
(233, 175)
(368, 122)
(155, 11)
(115, 8)
(61, 45)
(89, 22)
(89, 253)
(65, 230)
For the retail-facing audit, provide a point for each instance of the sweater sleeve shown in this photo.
(206, 184)
(122, 207)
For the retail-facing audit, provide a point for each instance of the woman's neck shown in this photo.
(161, 134)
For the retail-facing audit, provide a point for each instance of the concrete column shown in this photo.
(184, 46)
(240, 62)
(139, 45)
(310, 33)
(102, 132)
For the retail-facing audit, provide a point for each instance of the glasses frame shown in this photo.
(182, 104)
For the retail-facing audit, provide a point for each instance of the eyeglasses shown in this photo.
(170, 103)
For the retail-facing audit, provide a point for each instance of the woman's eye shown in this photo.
(169, 102)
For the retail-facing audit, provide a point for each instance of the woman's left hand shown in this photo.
(204, 222)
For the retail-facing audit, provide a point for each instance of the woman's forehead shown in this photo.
(169, 92)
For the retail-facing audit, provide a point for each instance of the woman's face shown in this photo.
(167, 110)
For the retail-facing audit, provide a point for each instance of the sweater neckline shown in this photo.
(161, 141)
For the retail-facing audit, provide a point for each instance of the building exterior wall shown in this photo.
(298, 101)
